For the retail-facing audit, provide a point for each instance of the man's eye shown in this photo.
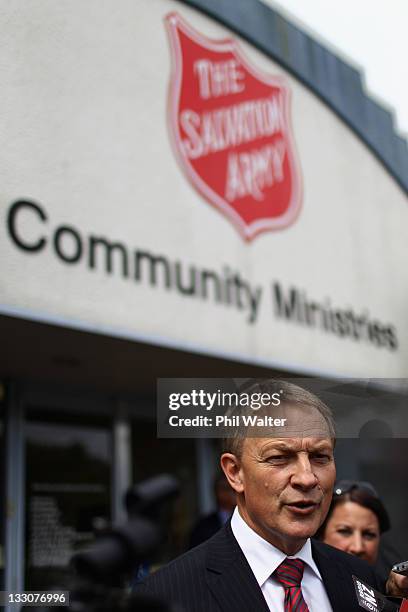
(321, 458)
(277, 459)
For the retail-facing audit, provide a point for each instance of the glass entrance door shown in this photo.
(68, 493)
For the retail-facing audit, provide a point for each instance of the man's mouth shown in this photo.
(303, 507)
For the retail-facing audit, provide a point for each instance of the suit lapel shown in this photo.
(336, 578)
(233, 584)
(229, 576)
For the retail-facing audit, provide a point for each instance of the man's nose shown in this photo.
(356, 545)
(303, 475)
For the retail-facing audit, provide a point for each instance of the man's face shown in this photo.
(285, 485)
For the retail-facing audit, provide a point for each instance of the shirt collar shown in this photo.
(262, 556)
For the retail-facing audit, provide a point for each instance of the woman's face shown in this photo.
(355, 530)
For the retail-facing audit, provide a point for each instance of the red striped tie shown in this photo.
(290, 573)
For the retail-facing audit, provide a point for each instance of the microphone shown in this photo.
(374, 601)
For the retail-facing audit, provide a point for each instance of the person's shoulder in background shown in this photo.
(204, 529)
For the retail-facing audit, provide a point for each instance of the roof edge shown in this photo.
(334, 81)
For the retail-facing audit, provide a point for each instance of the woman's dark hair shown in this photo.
(363, 497)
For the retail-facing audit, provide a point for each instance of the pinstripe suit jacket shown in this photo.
(216, 577)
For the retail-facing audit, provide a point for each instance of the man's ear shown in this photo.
(231, 466)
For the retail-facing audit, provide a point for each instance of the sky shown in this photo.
(372, 35)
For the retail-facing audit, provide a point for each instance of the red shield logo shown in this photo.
(231, 131)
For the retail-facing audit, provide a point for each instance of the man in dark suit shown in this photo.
(263, 559)
(209, 524)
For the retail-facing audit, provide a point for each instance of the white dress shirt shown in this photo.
(264, 558)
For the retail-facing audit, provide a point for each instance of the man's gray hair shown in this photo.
(289, 393)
